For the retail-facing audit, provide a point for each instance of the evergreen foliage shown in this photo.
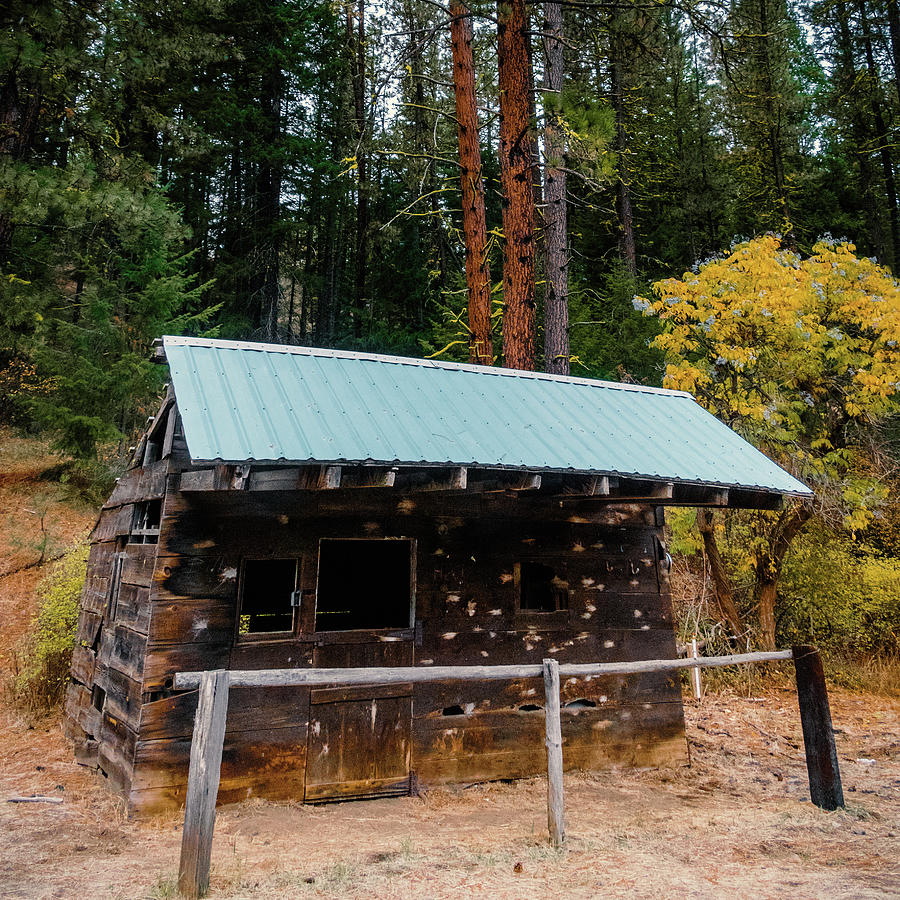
(288, 171)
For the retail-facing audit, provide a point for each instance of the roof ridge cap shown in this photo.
(262, 347)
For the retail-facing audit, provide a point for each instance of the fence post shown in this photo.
(203, 784)
(818, 735)
(555, 815)
(695, 672)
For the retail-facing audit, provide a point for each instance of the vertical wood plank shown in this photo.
(818, 734)
(203, 784)
(555, 814)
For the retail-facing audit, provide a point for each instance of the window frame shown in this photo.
(296, 600)
(550, 617)
(401, 630)
(140, 533)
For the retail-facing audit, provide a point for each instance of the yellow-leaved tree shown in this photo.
(800, 355)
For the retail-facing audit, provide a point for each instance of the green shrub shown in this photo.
(841, 595)
(39, 684)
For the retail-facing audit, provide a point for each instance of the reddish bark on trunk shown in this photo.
(556, 304)
(478, 274)
(516, 183)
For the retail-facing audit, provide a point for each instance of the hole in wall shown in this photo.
(98, 696)
(453, 711)
(530, 707)
(580, 704)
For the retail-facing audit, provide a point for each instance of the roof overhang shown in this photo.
(262, 414)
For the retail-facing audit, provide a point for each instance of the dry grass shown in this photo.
(736, 823)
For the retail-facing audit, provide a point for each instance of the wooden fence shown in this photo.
(209, 728)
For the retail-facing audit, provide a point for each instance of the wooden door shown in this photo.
(359, 742)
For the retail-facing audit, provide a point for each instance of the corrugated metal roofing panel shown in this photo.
(267, 402)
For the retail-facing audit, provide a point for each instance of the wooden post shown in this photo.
(695, 673)
(818, 735)
(555, 816)
(203, 784)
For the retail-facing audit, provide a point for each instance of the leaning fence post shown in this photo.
(818, 735)
(203, 784)
(555, 816)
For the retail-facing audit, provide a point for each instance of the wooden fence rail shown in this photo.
(209, 728)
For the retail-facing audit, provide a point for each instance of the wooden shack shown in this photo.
(292, 507)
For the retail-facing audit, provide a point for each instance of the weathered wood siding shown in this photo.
(111, 639)
(466, 602)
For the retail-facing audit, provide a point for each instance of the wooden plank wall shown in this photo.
(109, 652)
(466, 599)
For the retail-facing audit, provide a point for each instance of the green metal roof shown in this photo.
(243, 402)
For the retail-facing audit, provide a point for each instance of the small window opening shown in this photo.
(98, 697)
(145, 524)
(453, 711)
(364, 584)
(540, 589)
(530, 707)
(268, 593)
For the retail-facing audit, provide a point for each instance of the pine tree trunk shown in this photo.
(623, 187)
(859, 128)
(894, 29)
(478, 275)
(265, 286)
(358, 44)
(18, 126)
(556, 305)
(773, 119)
(884, 139)
(516, 183)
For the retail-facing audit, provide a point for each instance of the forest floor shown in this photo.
(736, 823)
(39, 519)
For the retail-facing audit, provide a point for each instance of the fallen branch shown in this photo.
(34, 799)
(33, 565)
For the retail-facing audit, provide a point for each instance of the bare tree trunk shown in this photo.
(478, 275)
(516, 183)
(556, 305)
(721, 582)
(768, 568)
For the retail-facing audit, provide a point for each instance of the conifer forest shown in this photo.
(699, 194)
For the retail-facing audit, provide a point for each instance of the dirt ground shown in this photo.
(737, 823)
(36, 514)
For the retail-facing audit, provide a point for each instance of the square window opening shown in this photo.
(540, 588)
(268, 596)
(364, 584)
